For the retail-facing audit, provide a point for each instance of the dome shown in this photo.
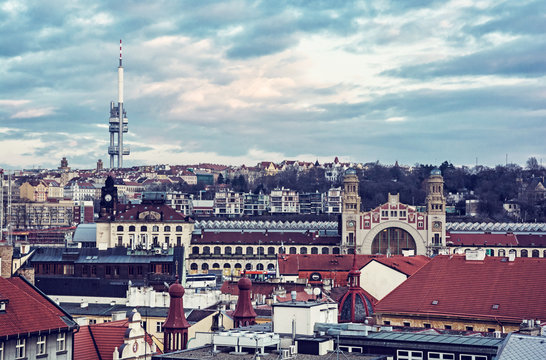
(350, 172)
(176, 290)
(355, 306)
(436, 171)
(244, 284)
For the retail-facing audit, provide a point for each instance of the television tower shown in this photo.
(118, 122)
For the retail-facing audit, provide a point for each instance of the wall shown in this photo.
(379, 280)
(6, 256)
(31, 348)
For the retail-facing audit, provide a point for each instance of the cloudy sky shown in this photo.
(238, 81)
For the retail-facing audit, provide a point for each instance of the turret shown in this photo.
(176, 326)
(244, 312)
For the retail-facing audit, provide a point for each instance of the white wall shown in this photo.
(379, 280)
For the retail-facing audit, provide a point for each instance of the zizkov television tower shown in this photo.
(118, 122)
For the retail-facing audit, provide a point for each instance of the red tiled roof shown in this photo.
(471, 288)
(98, 341)
(531, 240)
(257, 237)
(131, 212)
(28, 310)
(294, 263)
(466, 239)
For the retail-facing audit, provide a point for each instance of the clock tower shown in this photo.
(108, 199)
(436, 211)
(350, 210)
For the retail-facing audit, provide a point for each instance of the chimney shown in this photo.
(511, 256)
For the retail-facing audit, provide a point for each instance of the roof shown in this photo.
(518, 346)
(264, 238)
(86, 233)
(469, 239)
(131, 213)
(493, 288)
(96, 256)
(98, 341)
(388, 336)
(531, 240)
(262, 288)
(293, 263)
(29, 310)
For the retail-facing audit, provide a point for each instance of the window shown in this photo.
(143, 228)
(20, 349)
(167, 228)
(155, 228)
(426, 326)
(132, 228)
(394, 213)
(470, 328)
(159, 326)
(384, 213)
(249, 250)
(227, 250)
(409, 355)
(41, 345)
(386, 322)
(303, 250)
(447, 327)
(472, 357)
(120, 227)
(92, 321)
(206, 250)
(407, 324)
(441, 356)
(524, 253)
(179, 228)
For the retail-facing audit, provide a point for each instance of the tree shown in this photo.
(532, 163)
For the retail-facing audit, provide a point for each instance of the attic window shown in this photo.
(495, 307)
(434, 302)
(3, 305)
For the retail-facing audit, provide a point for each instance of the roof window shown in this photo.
(434, 302)
(495, 307)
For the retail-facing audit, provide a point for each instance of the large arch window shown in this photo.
(238, 250)
(194, 266)
(260, 267)
(195, 250)
(335, 251)
(217, 250)
(314, 250)
(206, 250)
(248, 266)
(535, 253)
(249, 250)
(303, 250)
(260, 250)
(524, 253)
(392, 241)
(271, 250)
(204, 266)
(293, 250)
(227, 250)
(325, 250)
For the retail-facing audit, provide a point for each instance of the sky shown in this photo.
(239, 82)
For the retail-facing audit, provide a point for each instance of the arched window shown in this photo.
(271, 267)
(227, 250)
(238, 266)
(143, 228)
(535, 253)
(155, 228)
(392, 241)
(271, 250)
(293, 250)
(303, 250)
(216, 266)
(512, 251)
(217, 250)
(195, 250)
(544, 253)
(325, 250)
(120, 227)
(335, 250)
(167, 228)
(314, 250)
(249, 250)
(238, 250)
(248, 266)
(227, 266)
(205, 266)
(179, 228)
(206, 250)
(282, 250)
(502, 252)
(524, 253)
(260, 250)
(194, 266)
(132, 228)
(260, 267)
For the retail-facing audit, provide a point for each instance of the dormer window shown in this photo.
(3, 305)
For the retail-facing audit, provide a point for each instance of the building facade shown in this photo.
(394, 227)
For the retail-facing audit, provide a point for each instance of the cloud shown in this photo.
(33, 113)
(238, 80)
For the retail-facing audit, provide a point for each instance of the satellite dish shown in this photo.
(316, 291)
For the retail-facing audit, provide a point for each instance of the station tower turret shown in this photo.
(436, 213)
(350, 210)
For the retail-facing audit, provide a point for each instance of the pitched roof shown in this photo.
(131, 213)
(293, 263)
(518, 346)
(29, 310)
(469, 239)
(493, 288)
(98, 341)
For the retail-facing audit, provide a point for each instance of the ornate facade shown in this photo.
(394, 227)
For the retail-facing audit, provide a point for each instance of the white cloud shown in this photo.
(33, 113)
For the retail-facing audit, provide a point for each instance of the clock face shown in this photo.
(351, 223)
(135, 347)
(108, 197)
(436, 225)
